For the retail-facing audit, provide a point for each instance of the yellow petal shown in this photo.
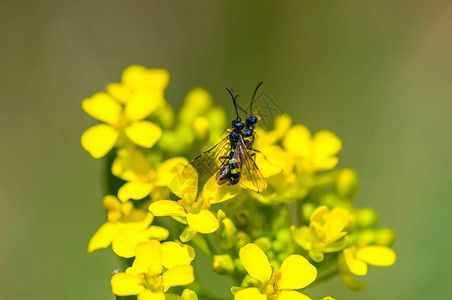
(168, 169)
(336, 221)
(255, 262)
(204, 221)
(328, 298)
(110, 202)
(379, 256)
(318, 214)
(120, 92)
(126, 240)
(292, 295)
(123, 284)
(324, 163)
(177, 254)
(248, 294)
(144, 133)
(298, 141)
(99, 139)
(137, 76)
(103, 237)
(103, 108)
(356, 266)
(149, 295)
(214, 193)
(134, 190)
(186, 188)
(148, 258)
(142, 103)
(157, 233)
(271, 160)
(166, 208)
(326, 143)
(296, 273)
(131, 164)
(178, 275)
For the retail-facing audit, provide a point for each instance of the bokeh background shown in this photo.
(377, 73)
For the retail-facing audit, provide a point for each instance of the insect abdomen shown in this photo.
(234, 166)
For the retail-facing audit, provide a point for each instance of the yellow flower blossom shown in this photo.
(354, 260)
(357, 258)
(126, 227)
(190, 209)
(123, 113)
(132, 166)
(156, 268)
(295, 273)
(324, 232)
(312, 152)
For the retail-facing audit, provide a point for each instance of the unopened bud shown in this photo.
(385, 237)
(347, 183)
(366, 236)
(188, 294)
(264, 243)
(226, 234)
(187, 235)
(223, 264)
(367, 218)
(241, 239)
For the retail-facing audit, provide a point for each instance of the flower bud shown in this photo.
(347, 183)
(187, 235)
(239, 266)
(188, 294)
(385, 237)
(201, 127)
(264, 243)
(306, 211)
(367, 236)
(226, 234)
(249, 281)
(223, 264)
(366, 218)
(241, 239)
(283, 242)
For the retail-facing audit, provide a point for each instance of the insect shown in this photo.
(251, 121)
(229, 160)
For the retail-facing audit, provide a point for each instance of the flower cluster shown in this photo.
(299, 232)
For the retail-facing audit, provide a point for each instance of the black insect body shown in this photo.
(251, 123)
(229, 160)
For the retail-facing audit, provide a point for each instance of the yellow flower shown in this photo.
(132, 166)
(190, 209)
(156, 268)
(312, 153)
(295, 273)
(324, 232)
(357, 258)
(123, 113)
(354, 260)
(126, 227)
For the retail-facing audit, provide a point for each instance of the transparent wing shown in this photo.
(208, 162)
(250, 176)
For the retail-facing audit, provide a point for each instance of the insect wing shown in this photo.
(250, 176)
(208, 162)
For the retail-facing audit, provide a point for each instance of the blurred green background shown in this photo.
(377, 73)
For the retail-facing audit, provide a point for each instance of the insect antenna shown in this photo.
(254, 94)
(235, 103)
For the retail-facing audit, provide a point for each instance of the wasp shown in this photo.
(251, 123)
(229, 160)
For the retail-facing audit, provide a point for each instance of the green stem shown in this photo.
(326, 276)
